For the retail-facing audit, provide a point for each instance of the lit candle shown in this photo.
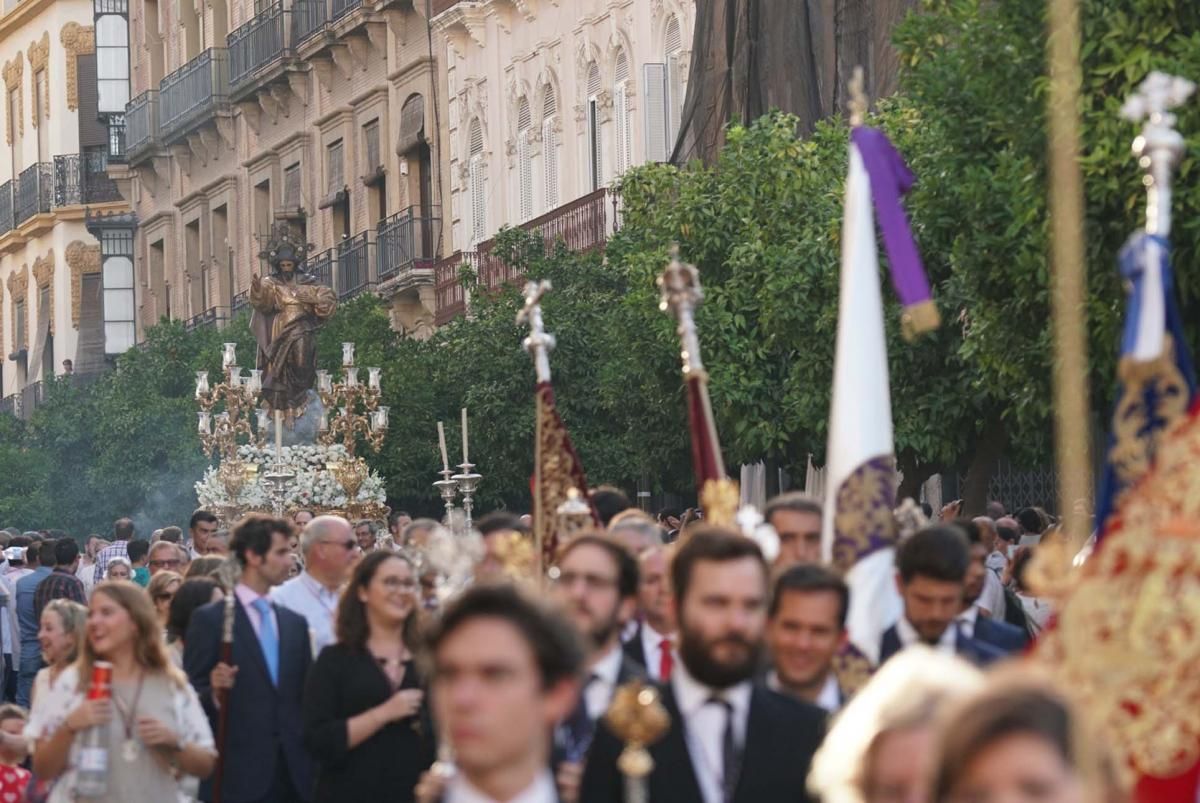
(201, 383)
(373, 378)
(235, 376)
(255, 383)
(383, 417)
(279, 436)
(351, 377)
(263, 420)
(203, 423)
(230, 356)
(464, 428)
(323, 383)
(324, 425)
(442, 444)
(347, 354)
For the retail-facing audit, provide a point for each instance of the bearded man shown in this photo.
(731, 739)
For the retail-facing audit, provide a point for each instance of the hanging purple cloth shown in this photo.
(890, 179)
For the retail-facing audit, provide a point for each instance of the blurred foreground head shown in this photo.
(880, 749)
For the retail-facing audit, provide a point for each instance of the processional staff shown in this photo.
(681, 294)
(560, 485)
(229, 576)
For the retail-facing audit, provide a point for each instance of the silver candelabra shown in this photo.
(467, 481)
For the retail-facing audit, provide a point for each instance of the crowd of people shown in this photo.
(352, 676)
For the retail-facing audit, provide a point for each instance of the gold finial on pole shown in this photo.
(540, 343)
(858, 103)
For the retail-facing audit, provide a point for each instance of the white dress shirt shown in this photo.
(967, 619)
(704, 727)
(542, 790)
(829, 698)
(652, 649)
(304, 595)
(599, 692)
(948, 643)
(991, 599)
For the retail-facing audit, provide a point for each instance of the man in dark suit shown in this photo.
(652, 644)
(806, 631)
(595, 583)
(731, 740)
(263, 760)
(931, 571)
(505, 670)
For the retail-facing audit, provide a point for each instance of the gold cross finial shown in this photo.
(681, 294)
(539, 343)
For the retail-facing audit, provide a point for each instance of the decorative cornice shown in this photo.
(81, 259)
(13, 70)
(18, 290)
(77, 40)
(39, 59)
(43, 276)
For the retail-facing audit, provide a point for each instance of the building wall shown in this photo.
(43, 35)
(501, 54)
(330, 93)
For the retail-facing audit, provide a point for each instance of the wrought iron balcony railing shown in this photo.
(141, 124)
(343, 7)
(240, 301)
(321, 266)
(308, 17)
(256, 44)
(407, 240)
(192, 93)
(353, 265)
(210, 317)
(7, 223)
(35, 190)
(116, 138)
(82, 178)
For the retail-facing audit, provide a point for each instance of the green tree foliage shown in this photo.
(763, 225)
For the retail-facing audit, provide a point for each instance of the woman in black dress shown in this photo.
(365, 719)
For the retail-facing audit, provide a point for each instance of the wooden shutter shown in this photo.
(674, 80)
(550, 149)
(477, 179)
(524, 160)
(621, 106)
(654, 101)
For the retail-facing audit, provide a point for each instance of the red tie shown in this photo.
(666, 662)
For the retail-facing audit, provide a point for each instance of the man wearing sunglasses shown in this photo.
(329, 550)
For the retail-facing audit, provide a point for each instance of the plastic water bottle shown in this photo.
(91, 776)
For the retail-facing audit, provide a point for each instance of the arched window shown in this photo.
(595, 161)
(524, 159)
(550, 148)
(621, 107)
(674, 54)
(477, 178)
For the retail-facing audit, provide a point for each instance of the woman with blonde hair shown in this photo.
(60, 634)
(880, 747)
(153, 724)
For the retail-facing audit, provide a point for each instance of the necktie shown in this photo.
(579, 728)
(268, 639)
(666, 661)
(731, 757)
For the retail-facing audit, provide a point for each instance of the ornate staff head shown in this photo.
(681, 294)
(539, 343)
(1159, 147)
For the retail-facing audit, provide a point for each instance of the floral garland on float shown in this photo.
(326, 480)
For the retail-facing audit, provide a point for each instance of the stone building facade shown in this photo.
(53, 183)
(248, 113)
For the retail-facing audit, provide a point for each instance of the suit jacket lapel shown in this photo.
(756, 737)
(674, 754)
(243, 632)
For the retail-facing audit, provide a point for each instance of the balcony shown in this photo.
(35, 190)
(405, 245)
(308, 18)
(210, 317)
(338, 37)
(82, 178)
(254, 46)
(7, 197)
(193, 94)
(353, 273)
(141, 126)
(321, 267)
(116, 138)
(240, 302)
(581, 225)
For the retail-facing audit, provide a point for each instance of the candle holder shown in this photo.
(228, 413)
(358, 411)
(277, 482)
(448, 488)
(467, 482)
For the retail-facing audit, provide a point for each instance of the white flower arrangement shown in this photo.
(313, 487)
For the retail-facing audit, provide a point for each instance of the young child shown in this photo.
(14, 780)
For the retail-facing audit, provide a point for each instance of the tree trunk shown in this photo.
(988, 449)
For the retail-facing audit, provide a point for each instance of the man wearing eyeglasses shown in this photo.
(330, 550)
(595, 582)
(164, 556)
